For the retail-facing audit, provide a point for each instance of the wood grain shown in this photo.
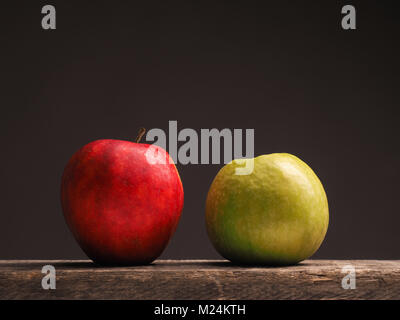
(200, 279)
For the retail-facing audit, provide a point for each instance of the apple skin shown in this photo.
(277, 215)
(121, 208)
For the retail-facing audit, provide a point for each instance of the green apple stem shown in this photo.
(141, 132)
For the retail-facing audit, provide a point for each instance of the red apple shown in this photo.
(121, 207)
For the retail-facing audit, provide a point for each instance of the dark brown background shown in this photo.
(287, 70)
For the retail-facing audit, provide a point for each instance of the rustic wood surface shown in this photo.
(200, 279)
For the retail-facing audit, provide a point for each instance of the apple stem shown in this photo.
(141, 132)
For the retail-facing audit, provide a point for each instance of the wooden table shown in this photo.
(200, 279)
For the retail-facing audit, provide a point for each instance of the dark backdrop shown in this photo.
(285, 68)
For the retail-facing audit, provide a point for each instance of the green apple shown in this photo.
(277, 215)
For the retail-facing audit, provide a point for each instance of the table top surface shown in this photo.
(385, 266)
(202, 279)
